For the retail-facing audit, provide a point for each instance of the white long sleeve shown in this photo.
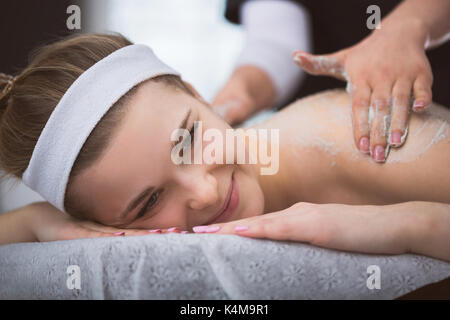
(274, 29)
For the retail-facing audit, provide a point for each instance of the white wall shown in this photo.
(191, 36)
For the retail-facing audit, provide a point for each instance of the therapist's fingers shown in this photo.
(422, 92)
(329, 64)
(381, 106)
(360, 115)
(400, 110)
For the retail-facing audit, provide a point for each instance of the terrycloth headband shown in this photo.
(79, 111)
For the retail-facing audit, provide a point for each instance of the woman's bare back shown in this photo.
(320, 161)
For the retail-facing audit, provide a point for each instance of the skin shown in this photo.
(248, 91)
(354, 204)
(331, 198)
(383, 69)
(191, 194)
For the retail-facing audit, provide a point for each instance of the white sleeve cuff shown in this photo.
(274, 29)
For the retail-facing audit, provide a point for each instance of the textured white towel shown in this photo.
(206, 266)
(79, 111)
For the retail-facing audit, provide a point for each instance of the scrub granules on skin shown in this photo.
(433, 129)
(334, 110)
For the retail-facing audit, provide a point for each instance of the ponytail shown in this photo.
(6, 85)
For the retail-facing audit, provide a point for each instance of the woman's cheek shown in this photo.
(168, 218)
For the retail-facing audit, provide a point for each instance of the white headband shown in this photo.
(79, 111)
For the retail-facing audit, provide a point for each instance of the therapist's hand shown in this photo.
(382, 70)
(234, 102)
(248, 91)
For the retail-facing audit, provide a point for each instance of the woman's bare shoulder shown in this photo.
(323, 109)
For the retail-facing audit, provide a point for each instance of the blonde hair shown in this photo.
(28, 99)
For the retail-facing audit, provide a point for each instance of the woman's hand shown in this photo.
(382, 71)
(47, 223)
(369, 229)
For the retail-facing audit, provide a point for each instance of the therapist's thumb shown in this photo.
(233, 111)
(328, 64)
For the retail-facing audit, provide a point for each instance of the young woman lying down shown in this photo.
(317, 187)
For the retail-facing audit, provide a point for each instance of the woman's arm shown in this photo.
(432, 235)
(15, 227)
(40, 221)
(411, 227)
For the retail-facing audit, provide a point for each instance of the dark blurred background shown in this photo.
(27, 24)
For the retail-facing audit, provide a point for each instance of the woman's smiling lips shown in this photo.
(230, 204)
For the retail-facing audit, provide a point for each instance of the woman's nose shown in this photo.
(203, 193)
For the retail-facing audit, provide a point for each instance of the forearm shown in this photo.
(273, 30)
(432, 19)
(258, 85)
(429, 230)
(15, 226)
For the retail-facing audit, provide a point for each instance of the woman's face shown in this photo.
(138, 159)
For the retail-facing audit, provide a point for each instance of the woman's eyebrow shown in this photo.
(141, 197)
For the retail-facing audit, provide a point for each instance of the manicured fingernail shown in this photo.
(184, 231)
(379, 154)
(120, 233)
(174, 229)
(240, 228)
(212, 229)
(364, 144)
(396, 138)
(419, 105)
(199, 229)
(154, 231)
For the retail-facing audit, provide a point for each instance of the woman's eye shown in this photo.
(192, 133)
(151, 202)
(189, 142)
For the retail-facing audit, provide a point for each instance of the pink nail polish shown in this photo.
(120, 233)
(379, 154)
(396, 138)
(419, 104)
(364, 144)
(154, 231)
(184, 231)
(174, 229)
(199, 229)
(241, 228)
(212, 229)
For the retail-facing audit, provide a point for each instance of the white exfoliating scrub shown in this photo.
(324, 122)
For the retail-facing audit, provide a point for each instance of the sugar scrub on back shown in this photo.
(324, 122)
